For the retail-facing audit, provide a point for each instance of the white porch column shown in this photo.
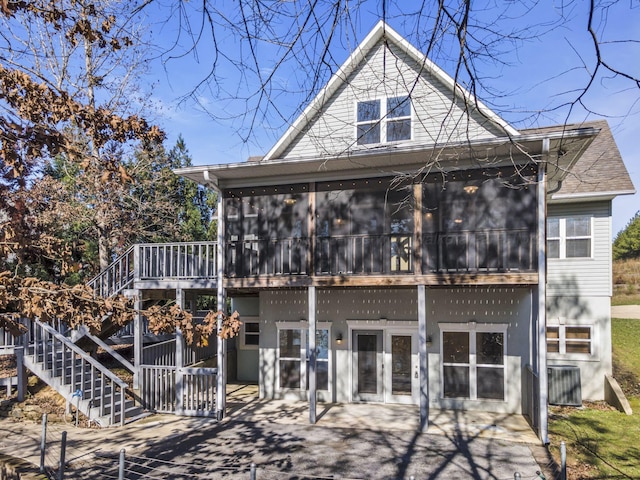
(312, 354)
(138, 339)
(179, 357)
(541, 318)
(423, 358)
(221, 378)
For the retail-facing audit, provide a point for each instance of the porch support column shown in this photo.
(179, 357)
(417, 229)
(138, 339)
(221, 350)
(312, 354)
(541, 325)
(423, 359)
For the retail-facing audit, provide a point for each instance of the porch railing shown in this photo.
(185, 391)
(479, 251)
(272, 256)
(151, 261)
(164, 353)
(488, 251)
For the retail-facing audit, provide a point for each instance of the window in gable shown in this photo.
(383, 121)
(569, 237)
(368, 122)
(398, 119)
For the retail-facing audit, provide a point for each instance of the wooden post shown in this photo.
(43, 443)
(417, 229)
(541, 325)
(311, 230)
(22, 373)
(179, 358)
(312, 353)
(221, 378)
(423, 358)
(138, 340)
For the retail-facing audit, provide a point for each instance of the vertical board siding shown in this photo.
(388, 73)
(584, 276)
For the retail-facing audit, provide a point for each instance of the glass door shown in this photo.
(368, 366)
(402, 378)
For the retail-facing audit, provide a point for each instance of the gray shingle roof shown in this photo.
(600, 169)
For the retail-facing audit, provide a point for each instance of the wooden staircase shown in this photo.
(60, 361)
(82, 380)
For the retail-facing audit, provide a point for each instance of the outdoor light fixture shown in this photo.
(470, 189)
(429, 341)
(290, 201)
(339, 338)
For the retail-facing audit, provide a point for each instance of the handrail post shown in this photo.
(43, 442)
(63, 449)
(22, 374)
(136, 263)
(121, 465)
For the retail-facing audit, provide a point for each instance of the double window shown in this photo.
(569, 339)
(293, 358)
(569, 237)
(381, 121)
(473, 361)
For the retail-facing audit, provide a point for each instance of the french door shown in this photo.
(385, 366)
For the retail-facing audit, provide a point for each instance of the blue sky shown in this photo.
(534, 76)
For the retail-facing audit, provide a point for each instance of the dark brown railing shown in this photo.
(388, 254)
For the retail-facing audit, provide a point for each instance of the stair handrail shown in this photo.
(130, 276)
(72, 346)
(107, 348)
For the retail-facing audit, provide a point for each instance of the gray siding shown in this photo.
(579, 293)
(584, 276)
(388, 73)
(593, 312)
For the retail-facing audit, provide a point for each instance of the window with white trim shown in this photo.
(293, 358)
(570, 339)
(473, 361)
(569, 237)
(250, 334)
(382, 121)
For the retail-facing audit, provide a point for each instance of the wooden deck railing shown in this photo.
(157, 261)
(479, 251)
(500, 250)
(388, 254)
(185, 391)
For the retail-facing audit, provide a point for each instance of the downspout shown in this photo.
(541, 343)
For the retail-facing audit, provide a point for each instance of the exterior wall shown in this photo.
(510, 306)
(248, 358)
(384, 74)
(579, 293)
(594, 312)
(396, 310)
(336, 306)
(583, 276)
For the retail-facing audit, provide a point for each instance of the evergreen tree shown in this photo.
(627, 242)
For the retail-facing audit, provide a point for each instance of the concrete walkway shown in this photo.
(348, 442)
(626, 311)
